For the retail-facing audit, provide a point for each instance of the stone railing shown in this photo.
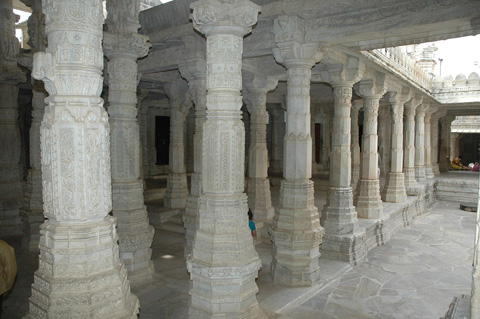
(402, 64)
(458, 90)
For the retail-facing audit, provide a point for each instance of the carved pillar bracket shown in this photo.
(409, 147)
(194, 70)
(420, 142)
(296, 226)
(258, 185)
(224, 263)
(32, 210)
(368, 200)
(428, 142)
(123, 45)
(11, 192)
(339, 215)
(78, 244)
(394, 190)
(176, 192)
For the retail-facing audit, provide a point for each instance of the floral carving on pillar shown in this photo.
(123, 46)
(76, 174)
(223, 264)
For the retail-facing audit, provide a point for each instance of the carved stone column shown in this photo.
(368, 200)
(123, 46)
(296, 226)
(224, 263)
(420, 142)
(11, 192)
(195, 72)
(411, 185)
(339, 215)
(327, 136)
(428, 139)
(356, 106)
(278, 133)
(394, 190)
(176, 192)
(32, 210)
(435, 142)
(445, 158)
(80, 272)
(258, 184)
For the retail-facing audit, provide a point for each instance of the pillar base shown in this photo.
(259, 198)
(394, 190)
(368, 200)
(435, 169)
(177, 191)
(80, 274)
(32, 211)
(223, 238)
(339, 216)
(411, 185)
(297, 235)
(190, 223)
(429, 171)
(420, 174)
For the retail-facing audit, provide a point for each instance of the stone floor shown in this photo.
(415, 275)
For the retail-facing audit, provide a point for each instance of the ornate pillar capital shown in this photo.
(344, 74)
(372, 88)
(234, 17)
(120, 44)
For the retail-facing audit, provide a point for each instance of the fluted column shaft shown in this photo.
(420, 144)
(394, 190)
(258, 185)
(134, 231)
(368, 200)
(224, 263)
(409, 147)
(428, 147)
(11, 192)
(435, 145)
(78, 246)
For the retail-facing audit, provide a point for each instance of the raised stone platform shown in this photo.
(457, 186)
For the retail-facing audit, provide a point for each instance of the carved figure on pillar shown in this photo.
(80, 271)
(394, 190)
(194, 70)
(296, 226)
(258, 185)
(420, 142)
(223, 263)
(339, 215)
(368, 200)
(10, 140)
(180, 102)
(409, 147)
(123, 46)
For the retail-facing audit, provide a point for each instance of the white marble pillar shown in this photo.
(435, 142)
(296, 226)
(278, 133)
(32, 210)
(224, 263)
(394, 190)
(11, 192)
(258, 184)
(176, 192)
(409, 145)
(475, 294)
(327, 136)
(368, 200)
(445, 158)
(194, 70)
(420, 142)
(189, 132)
(428, 143)
(356, 106)
(80, 272)
(123, 46)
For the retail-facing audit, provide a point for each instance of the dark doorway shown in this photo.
(162, 139)
(318, 141)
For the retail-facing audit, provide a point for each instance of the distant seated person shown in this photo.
(251, 223)
(475, 167)
(8, 268)
(457, 164)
